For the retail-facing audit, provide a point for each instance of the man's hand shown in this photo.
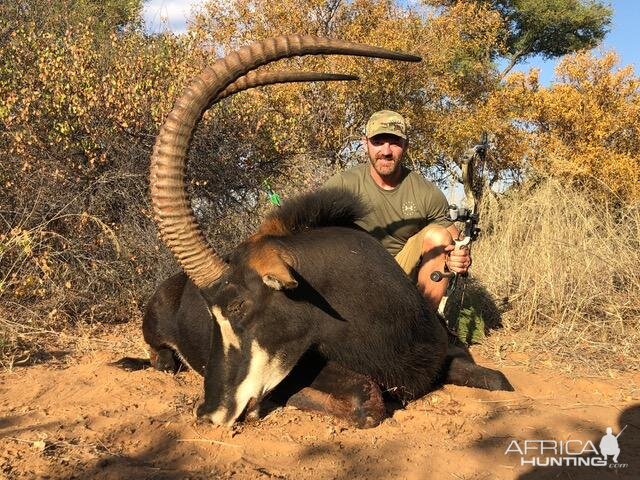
(459, 260)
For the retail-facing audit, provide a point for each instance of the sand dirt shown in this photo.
(84, 417)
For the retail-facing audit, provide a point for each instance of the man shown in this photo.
(409, 213)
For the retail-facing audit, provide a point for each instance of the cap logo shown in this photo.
(386, 121)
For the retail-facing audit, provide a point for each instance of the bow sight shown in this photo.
(470, 220)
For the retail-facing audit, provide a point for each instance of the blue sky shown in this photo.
(622, 38)
(160, 14)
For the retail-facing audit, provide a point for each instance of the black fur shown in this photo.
(353, 305)
(324, 208)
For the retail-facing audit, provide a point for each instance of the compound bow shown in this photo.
(467, 213)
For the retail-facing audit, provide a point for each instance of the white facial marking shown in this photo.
(265, 372)
(229, 337)
(219, 417)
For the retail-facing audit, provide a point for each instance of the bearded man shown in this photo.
(408, 214)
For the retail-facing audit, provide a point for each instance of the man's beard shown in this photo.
(385, 167)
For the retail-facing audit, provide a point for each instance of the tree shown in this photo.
(551, 28)
(584, 129)
(59, 15)
(82, 92)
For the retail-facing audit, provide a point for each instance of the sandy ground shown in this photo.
(84, 417)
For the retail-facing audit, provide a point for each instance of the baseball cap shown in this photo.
(386, 121)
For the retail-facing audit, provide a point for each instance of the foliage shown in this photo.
(471, 326)
(589, 126)
(80, 103)
(584, 128)
(56, 17)
(552, 28)
(438, 95)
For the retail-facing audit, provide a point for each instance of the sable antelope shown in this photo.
(306, 289)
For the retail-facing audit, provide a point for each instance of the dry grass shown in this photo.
(59, 344)
(564, 273)
(63, 272)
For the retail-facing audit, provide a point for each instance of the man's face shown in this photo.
(385, 152)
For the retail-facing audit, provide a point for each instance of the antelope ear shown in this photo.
(273, 264)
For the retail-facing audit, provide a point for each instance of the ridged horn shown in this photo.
(172, 209)
(258, 79)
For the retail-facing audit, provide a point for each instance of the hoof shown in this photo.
(163, 360)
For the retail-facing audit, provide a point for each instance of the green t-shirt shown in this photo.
(398, 214)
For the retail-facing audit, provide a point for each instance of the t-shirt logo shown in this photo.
(409, 209)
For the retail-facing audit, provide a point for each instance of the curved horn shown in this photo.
(172, 209)
(257, 79)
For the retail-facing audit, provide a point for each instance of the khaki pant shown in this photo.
(409, 257)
